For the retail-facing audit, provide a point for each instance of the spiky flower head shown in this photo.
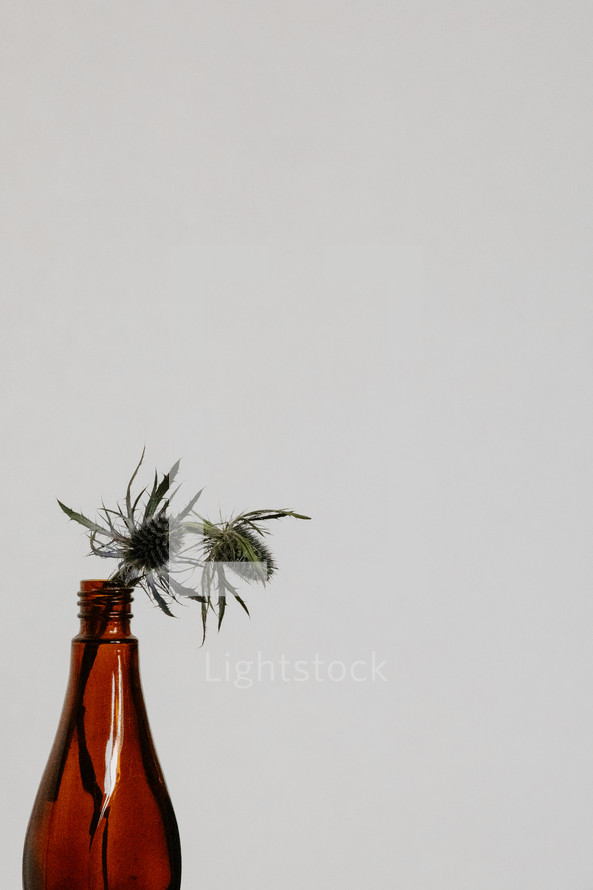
(158, 551)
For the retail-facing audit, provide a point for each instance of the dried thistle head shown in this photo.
(156, 550)
(240, 544)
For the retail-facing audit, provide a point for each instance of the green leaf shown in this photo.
(204, 618)
(239, 600)
(129, 489)
(231, 589)
(197, 528)
(190, 506)
(264, 515)
(158, 492)
(207, 582)
(252, 557)
(182, 590)
(83, 520)
(160, 601)
(221, 609)
(221, 595)
(135, 504)
(248, 551)
(155, 485)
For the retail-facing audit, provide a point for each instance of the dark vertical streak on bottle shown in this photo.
(87, 774)
(104, 851)
(172, 833)
(88, 659)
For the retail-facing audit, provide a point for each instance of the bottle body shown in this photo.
(102, 818)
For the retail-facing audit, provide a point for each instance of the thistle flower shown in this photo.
(152, 547)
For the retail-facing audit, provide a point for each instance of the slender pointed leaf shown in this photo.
(221, 609)
(135, 504)
(221, 595)
(182, 590)
(240, 601)
(204, 618)
(129, 488)
(83, 520)
(197, 528)
(187, 509)
(159, 492)
(160, 601)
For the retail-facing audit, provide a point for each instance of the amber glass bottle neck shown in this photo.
(104, 611)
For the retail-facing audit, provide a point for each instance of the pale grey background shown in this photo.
(336, 256)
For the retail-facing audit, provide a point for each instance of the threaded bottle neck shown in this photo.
(104, 611)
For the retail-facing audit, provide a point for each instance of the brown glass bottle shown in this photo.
(102, 818)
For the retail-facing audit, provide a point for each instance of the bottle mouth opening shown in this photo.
(100, 604)
(99, 598)
(104, 587)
